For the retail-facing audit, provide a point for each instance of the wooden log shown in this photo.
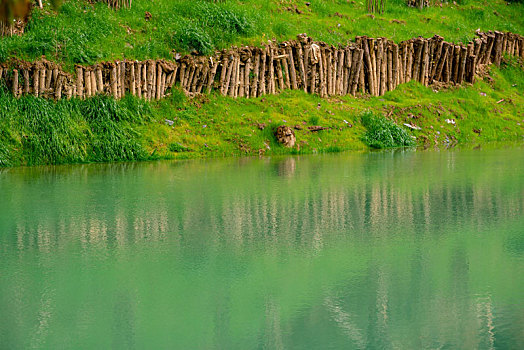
(489, 50)
(340, 72)
(58, 88)
(409, 61)
(154, 82)
(183, 68)
(436, 60)
(92, 76)
(482, 50)
(447, 72)
(159, 89)
(499, 39)
(87, 81)
(113, 81)
(173, 78)
(425, 63)
(224, 65)
(292, 71)
(118, 80)
(369, 73)
(313, 77)
(25, 73)
(36, 80)
(378, 64)
(256, 74)
(325, 75)
(419, 47)
(456, 63)
(203, 76)
(514, 45)
(262, 75)
(143, 82)
(308, 65)
(390, 67)
(190, 70)
(395, 65)
(69, 91)
(278, 66)
(442, 62)
(271, 68)
(372, 53)
(247, 74)
(511, 45)
(301, 67)
(384, 68)
(212, 74)
(48, 77)
(356, 65)
(190, 77)
(287, 78)
(122, 79)
(403, 52)
(362, 77)
(43, 74)
(99, 80)
(346, 86)
(194, 78)
(478, 46)
(79, 82)
(241, 75)
(55, 76)
(15, 83)
(333, 71)
(149, 77)
(462, 63)
(169, 82)
(470, 49)
(322, 74)
(400, 72)
(163, 79)
(239, 78)
(233, 82)
(470, 69)
(132, 82)
(328, 71)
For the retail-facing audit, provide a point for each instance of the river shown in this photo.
(381, 250)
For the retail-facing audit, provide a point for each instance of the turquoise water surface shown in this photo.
(386, 250)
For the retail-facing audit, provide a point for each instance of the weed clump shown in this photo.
(383, 133)
(177, 147)
(37, 131)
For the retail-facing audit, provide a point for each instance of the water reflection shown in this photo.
(384, 250)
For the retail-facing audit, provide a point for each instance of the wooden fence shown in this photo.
(368, 65)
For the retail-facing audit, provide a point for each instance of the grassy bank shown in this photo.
(37, 131)
(85, 33)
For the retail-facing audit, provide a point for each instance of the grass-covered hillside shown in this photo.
(38, 131)
(82, 32)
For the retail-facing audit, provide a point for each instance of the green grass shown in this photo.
(85, 33)
(384, 133)
(36, 131)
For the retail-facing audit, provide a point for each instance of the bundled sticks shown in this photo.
(367, 66)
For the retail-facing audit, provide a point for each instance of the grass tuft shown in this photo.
(383, 133)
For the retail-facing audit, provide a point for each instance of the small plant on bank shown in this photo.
(177, 147)
(383, 133)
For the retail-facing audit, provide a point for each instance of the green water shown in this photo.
(389, 250)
